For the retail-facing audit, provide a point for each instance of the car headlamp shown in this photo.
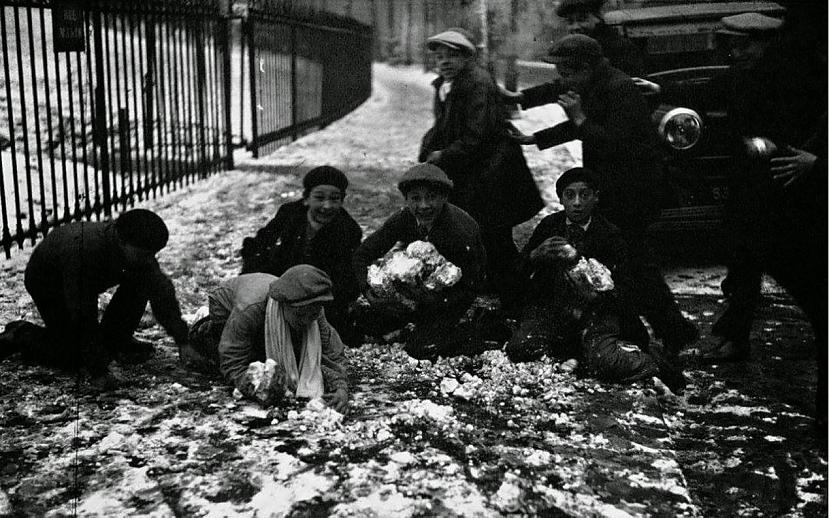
(680, 128)
(759, 148)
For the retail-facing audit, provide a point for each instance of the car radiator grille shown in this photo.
(674, 43)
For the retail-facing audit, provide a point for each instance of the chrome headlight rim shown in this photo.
(672, 114)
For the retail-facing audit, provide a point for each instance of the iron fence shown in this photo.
(308, 69)
(107, 103)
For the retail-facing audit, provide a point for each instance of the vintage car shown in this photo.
(678, 43)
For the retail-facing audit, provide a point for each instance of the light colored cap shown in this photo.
(747, 24)
(458, 39)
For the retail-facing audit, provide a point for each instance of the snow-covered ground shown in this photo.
(458, 437)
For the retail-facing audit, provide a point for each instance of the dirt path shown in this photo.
(530, 439)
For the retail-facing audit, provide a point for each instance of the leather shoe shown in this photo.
(727, 351)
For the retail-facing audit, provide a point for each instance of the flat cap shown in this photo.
(429, 174)
(324, 175)
(454, 38)
(576, 174)
(749, 24)
(301, 285)
(574, 48)
(142, 228)
(566, 7)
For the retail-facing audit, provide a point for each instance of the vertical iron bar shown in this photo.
(25, 124)
(63, 136)
(163, 118)
(186, 72)
(39, 147)
(124, 151)
(96, 168)
(294, 49)
(100, 111)
(175, 100)
(169, 101)
(7, 238)
(74, 146)
(216, 99)
(49, 129)
(84, 137)
(226, 73)
(252, 68)
(242, 79)
(201, 72)
(211, 96)
(126, 107)
(112, 35)
(136, 82)
(110, 119)
(150, 84)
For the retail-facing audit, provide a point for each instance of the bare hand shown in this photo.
(337, 400)
(551, 249)
(646, 86)
(520, 138)
(789, 169)
(571, 103)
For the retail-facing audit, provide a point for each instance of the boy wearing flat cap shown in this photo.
(258, 316)
(469, 141)
(315, 230)
(427, 216)
(563, 319)
(585, 17)
(69, 269)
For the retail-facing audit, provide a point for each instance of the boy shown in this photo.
(257, 316)
(66, 273)
(565, 319)
(427, 216)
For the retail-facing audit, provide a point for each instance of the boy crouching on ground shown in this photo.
(259, 316)
(566, 315)
(426, 216)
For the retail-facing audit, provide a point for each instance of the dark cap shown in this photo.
(454, 38)
(575, 48)
(567, 7)
(428, 174)
(324, 175)
(142, 228)
(301, 285)
(749, 24)
(576, 174)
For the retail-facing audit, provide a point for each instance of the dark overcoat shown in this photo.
(492, 180)
(282, 244)
(619, 142)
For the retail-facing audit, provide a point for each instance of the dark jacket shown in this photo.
(618, 140)
(78, 261)
(240, 304)
(602, 241)
(455, 235)
(619, 51)
(281, 244)
(492, 180)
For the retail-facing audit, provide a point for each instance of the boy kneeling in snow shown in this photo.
(258, 316)
(427, 216)
(574, 307)
(67, 271)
